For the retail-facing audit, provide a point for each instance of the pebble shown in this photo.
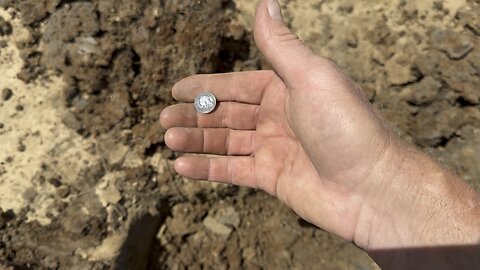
(21, 147)
(63, 192)
(216, 227)
(7, 94)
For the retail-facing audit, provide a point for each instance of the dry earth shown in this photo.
(85, 178)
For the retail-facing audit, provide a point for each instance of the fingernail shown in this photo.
(274, 10)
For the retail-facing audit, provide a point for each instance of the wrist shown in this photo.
(414, 202)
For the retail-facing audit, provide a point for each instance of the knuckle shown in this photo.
(227, 142)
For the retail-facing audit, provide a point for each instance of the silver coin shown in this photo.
(205, 102)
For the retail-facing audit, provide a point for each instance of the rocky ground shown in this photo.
(86, 181)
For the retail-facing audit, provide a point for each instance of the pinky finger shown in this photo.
(231, 170)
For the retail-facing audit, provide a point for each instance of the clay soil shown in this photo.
(86, 181)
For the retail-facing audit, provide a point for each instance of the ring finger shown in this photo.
(217, 141)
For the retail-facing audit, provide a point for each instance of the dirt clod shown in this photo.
(423, 92)
(455, 45)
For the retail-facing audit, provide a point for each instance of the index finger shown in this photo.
(245, 87)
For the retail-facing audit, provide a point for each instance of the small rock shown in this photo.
(19, 107)
(2, 125)
(63, 192)
(21, 147)
(5, 27)
(7, 94)
(216, 226)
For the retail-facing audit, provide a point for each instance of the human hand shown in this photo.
(306, 134)
(268, 124)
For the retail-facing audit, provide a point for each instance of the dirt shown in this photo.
(86, 181)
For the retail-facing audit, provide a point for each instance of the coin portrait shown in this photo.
(205, 102)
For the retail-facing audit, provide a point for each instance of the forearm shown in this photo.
(420, 212)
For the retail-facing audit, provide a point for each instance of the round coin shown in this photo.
(205, 102)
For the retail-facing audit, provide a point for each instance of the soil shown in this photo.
(86, 181)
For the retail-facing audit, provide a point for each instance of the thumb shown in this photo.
(283, 49)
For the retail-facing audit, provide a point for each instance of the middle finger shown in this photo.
(231, 115)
